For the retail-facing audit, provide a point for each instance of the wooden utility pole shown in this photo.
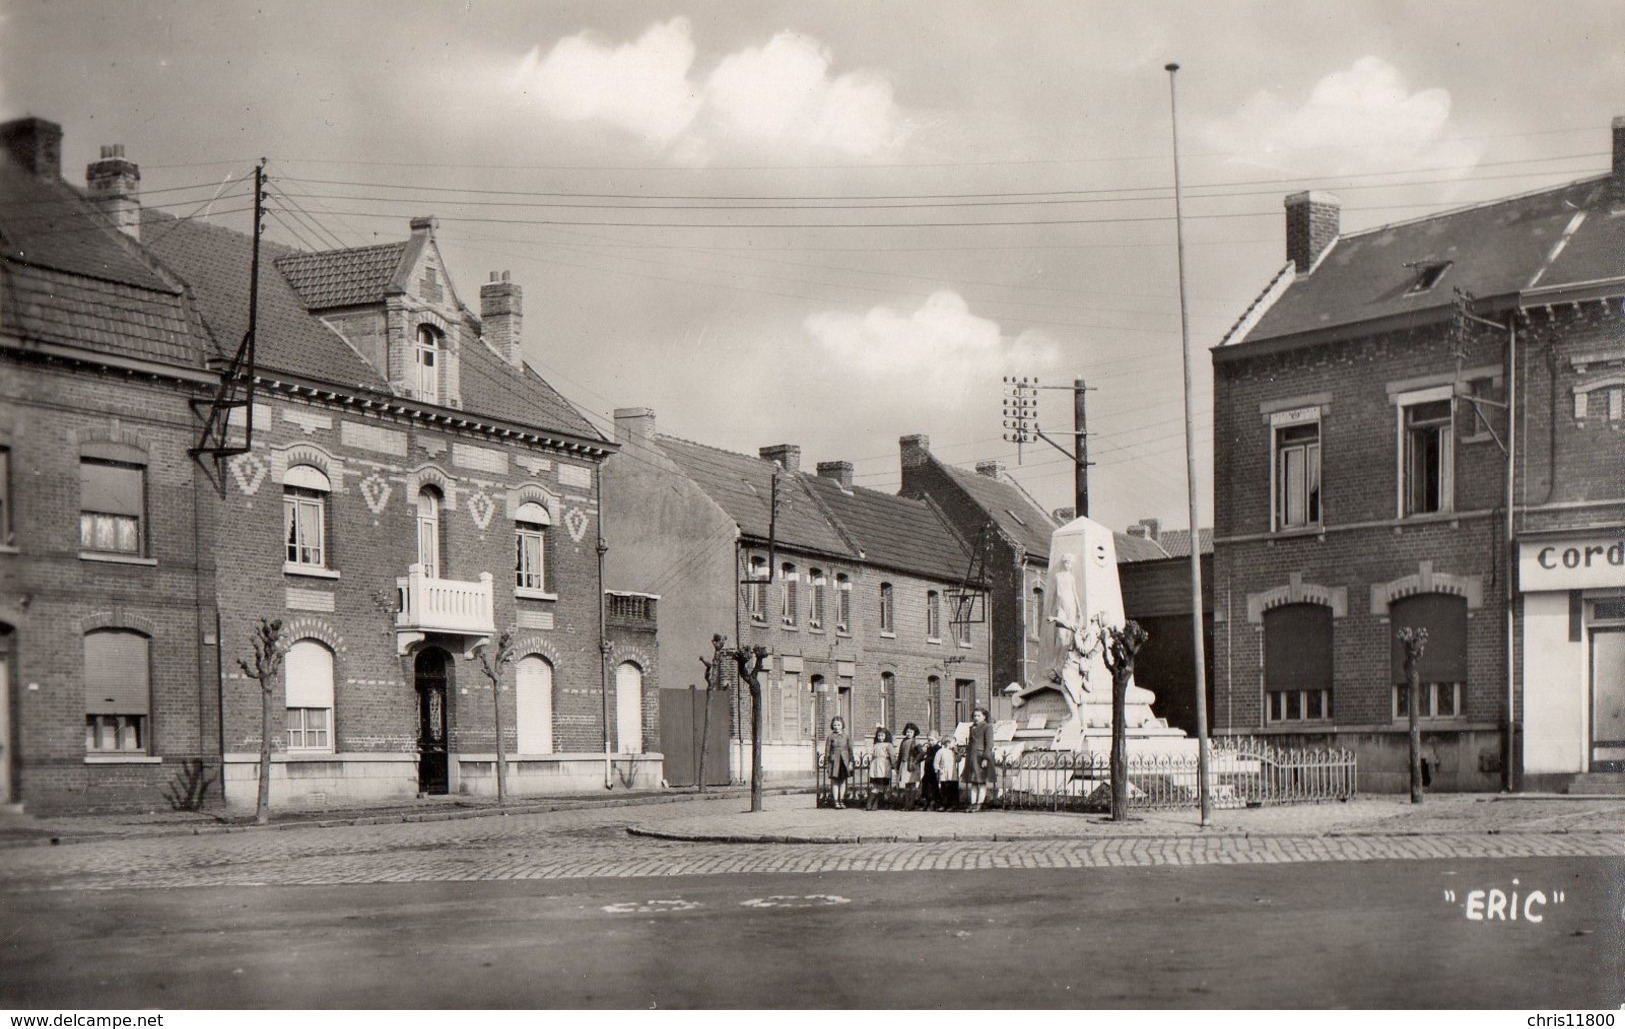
(1080, 449)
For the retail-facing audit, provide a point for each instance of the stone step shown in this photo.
(1608, 783)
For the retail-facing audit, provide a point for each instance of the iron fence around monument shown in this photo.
(1242, 771)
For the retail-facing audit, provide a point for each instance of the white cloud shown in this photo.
(641, 87)
(781, 97)
(1363, 118)
(941, 344)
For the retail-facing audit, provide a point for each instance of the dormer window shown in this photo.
(1428, 274)
(428, 364)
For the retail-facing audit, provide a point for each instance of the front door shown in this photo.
(1608, 699)
(431, 677)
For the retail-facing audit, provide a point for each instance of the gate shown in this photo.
(682, 719)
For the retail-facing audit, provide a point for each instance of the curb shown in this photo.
(46, 838)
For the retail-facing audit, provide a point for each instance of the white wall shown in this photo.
(1554, 688)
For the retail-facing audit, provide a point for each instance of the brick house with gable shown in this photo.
(411, 489)
(858, 613)
(1364, 469)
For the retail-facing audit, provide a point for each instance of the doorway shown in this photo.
(8, 752)
(431, 673)
(1608, 699)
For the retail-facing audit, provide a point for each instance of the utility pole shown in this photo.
(1021, 426)
(1199, 647)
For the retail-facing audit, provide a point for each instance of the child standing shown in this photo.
(947, 762)
(882, 755)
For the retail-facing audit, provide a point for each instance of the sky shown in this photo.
(835, 224)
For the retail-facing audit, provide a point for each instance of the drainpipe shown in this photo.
(603, 636)
(1508, 777)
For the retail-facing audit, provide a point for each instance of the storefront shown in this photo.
(1573, 588)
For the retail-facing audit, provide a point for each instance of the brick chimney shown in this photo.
(915, 450)
(1619, 154)
(426, 224)
(1064, 514)
(502, 312)
(634, 424)
(115, 189)
(35, 144)
(838, 471)
(1146, 529)
(786, 454)
(1312, 224)
(991, 469)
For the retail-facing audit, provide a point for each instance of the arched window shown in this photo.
(117, 692)
(888, 609)
(787, 610)
(308, 672)
(427, 356)
(888, 699)
(933, 615)
(815, 602)
(756, 589)
(304, 516)
(1298, 663)
(843, 603)
(533, 689)
(429, 531)
(530, 532)
(1443, 667)
(933, 705)
(629, 708)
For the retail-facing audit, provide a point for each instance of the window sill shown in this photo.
(1318, 529)
(7, 549)
(122, 759)
(118, 559)
(816, 630)
(313, 571)
(790, 627)
(529, 594)
(306, 754)
(935, 641)
(887, 635)
(844, 633)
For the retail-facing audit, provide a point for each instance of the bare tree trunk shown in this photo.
(262, 805)
(1119, 745)
(502, 751)
(755, 744)
(1412, 691)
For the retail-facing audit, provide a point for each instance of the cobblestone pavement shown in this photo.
(594, 842)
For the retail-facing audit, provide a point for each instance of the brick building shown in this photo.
(1364, 472)
(408, 489)
(856, 602)
(1154, 569)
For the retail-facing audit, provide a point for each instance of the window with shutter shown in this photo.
(117, 691)
(1298, 663)
(111, 506)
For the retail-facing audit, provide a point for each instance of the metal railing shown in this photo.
(1242, 772)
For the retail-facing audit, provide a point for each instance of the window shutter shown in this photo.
(1445, 618)
(308, 673)
(109, 488)
(116, 674)
(1298, 647)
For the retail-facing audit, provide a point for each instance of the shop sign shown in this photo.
(1590, 562)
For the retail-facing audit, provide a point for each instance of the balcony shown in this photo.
(630, 610)
(444, 606)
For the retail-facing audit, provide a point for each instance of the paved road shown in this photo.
(1322, 934)
(567, 909)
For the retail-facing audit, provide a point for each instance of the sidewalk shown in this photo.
(24, 829)
(794, 819)
(722, 815)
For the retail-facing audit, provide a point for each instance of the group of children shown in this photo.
(913, 773)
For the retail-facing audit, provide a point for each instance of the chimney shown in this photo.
(426, 224)
(915, 450)
(786, 454)
(115, 189)
(839, 471)
(35, 144)
(502, 312)
(1312, 225)
(991, 469)
(1146, 529)
(634, 424)
(1064, 514)
(1619, 154)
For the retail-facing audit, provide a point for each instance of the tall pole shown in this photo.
(1199, 648)
(1509, 780)
(1080, 450)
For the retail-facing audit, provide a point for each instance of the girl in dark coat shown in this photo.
(909, 753)
(979, 757)
(929, 786)
(838, 760)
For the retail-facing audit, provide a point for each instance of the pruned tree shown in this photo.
(266, 640)
(1119, 647)
(492, 659)
(750, 664)
(1415, 641)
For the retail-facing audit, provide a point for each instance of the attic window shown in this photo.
(1428, 274)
